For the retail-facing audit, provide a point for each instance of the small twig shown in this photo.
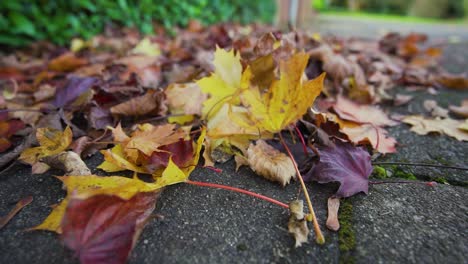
(320, 239)
(229, 188)
(421, 165)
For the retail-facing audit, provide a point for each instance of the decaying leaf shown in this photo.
(270, 163)
(461, 110)
(66, 62)
(332, 218)
(67, 161)
(297, 225)
(376, 136)
(105, 228)
(52, 142)
(363, 114)
(141, 105)
(19, 205)
(343, 163)
(7, 129)
(447, 126)
(184, 99)
(147, 48)
(453, 81)
(72, 90)
(436, 111)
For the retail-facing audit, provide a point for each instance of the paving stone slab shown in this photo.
(200, 225)
(411, 223)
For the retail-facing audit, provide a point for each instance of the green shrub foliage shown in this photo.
(23, 21)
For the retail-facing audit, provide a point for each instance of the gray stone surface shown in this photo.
(372, 28)
(411, 223)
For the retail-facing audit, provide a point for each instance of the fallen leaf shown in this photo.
(52, 142)
(447, 126)
(184, 99)
(223, 83)
(287, 99)
(452, 81)
(297, 224)
(145, 47)
(150, 102)
(19, 205)
(103, 228)
(461, 110)
(436, 111)
(67, 161)
(332, 218)
(99, 117)
(66, 62)
(401, 99)
(7, 129)
(344, 163)
(351, 111)
(270, 163)
(376, 136)
(72, 90)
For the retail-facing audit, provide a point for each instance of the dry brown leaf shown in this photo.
(436, 111)
(332, 219)
(447, 126)
(297, 225)
(360, 113)
(152, 101)
(20, 205)
(66, 62)
(452, 81)
(461, 110)
(185, 98)
(69, 162)
(270, 163)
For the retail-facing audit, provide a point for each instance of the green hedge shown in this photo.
(58, 21)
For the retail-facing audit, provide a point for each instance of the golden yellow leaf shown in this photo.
(53, 221)
(147, 48)
(115, 160)
(287, 99)
(224, 82)
(52, 141)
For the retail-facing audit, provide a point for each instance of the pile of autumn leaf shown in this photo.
(151, 105)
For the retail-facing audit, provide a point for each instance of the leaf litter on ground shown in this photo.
(151, 103)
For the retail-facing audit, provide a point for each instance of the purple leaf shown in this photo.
(344, 163)
(99, 118)
(72, 90)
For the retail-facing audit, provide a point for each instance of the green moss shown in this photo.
(441, 180)
(379, 173)
(346, 236)
(398, 172)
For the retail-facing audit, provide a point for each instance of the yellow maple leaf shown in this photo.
(287, 99)
(51, 141)
(224, 83)
(145, 140)
(147, 48)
